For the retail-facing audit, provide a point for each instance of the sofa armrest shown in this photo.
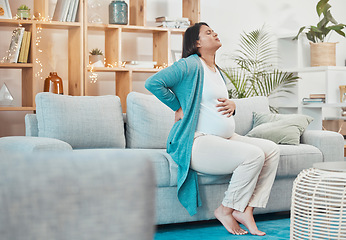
(331, 144)
(31, 125)
(21, 144)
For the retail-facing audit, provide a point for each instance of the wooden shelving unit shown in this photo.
(78, 52)
(30, 84)
(137, 24)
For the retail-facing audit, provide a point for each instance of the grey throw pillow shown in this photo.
(81, 121)
(279, 128)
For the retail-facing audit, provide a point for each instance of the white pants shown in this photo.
(253, 162)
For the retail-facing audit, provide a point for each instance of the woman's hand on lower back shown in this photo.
(226, 106)
(178, 115)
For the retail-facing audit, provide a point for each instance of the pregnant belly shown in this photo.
(212, 122)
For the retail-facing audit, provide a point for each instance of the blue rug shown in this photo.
(276, 229)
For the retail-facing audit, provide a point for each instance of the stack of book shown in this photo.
(315, 98)
(66, 10)
(172, 22)
(19, 46)
(140, 64)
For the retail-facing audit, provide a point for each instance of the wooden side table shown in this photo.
(318, 209)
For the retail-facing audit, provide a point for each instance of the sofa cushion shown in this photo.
(158, 157)
(279, 128)
(81, 121)
(21, 144)
(148, 122)
(244, 112)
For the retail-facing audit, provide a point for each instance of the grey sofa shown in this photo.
(148, 122)
(76, 195)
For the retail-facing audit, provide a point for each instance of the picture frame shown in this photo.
(176, 55)
(5, 10)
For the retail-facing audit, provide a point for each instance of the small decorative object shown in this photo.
(5, 11)
(53, 84)
(5, 96)
(343, 98)
(23, 12)
(322, 53)
(118, 12)
(96, 58)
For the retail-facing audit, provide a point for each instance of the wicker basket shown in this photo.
(318, 209)
(322, 54)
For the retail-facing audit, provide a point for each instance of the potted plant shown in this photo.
(23, 12)
(255, 73)
(96, 58)
(322, 53)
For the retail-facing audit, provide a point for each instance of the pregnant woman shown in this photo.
(203, 140)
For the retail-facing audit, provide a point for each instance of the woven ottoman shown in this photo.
(318, 209)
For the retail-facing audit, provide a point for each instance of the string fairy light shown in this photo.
(37, 60)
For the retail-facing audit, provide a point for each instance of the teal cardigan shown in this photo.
(181, 85)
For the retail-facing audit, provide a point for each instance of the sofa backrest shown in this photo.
(81, 121)
(244, 112)
(149, 120)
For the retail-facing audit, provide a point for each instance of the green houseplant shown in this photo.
(255, 74)
(96, 58)
(322, 52)
(23, 12)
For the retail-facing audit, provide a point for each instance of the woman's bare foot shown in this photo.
(247, 219)
(224, 215)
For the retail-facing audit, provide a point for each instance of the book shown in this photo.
(140, 64)
(70, 11)
(61, 10)
(22, 48)
(169, 19)
(174, 24)
(75, 10)
(15, 44)
(27, 47)
(317, 95)
(313, 100)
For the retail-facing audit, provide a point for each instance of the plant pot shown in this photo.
(96, 60)
(322, 54)
(23, 14)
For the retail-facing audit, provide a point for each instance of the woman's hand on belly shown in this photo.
(226, 106)
(178, 115)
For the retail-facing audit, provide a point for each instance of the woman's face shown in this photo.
(208, 39)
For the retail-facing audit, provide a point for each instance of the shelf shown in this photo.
(45, 24)
(321, 105)
(117, 69)
(315, 69)
(136, 29)
(16, 65)
(16, 108)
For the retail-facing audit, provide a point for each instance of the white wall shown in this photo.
(227, 18)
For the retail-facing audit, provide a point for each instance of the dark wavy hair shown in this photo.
(190, 40)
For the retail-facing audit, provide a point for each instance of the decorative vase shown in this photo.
(23, 14)
(118, 12)
(96, 60)
(53, 84)
(322, 54)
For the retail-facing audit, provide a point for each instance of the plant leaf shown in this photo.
(330, 18)
(300, 31)
(320, 6)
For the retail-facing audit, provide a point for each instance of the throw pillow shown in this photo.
(81, 121)
(279, 128)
